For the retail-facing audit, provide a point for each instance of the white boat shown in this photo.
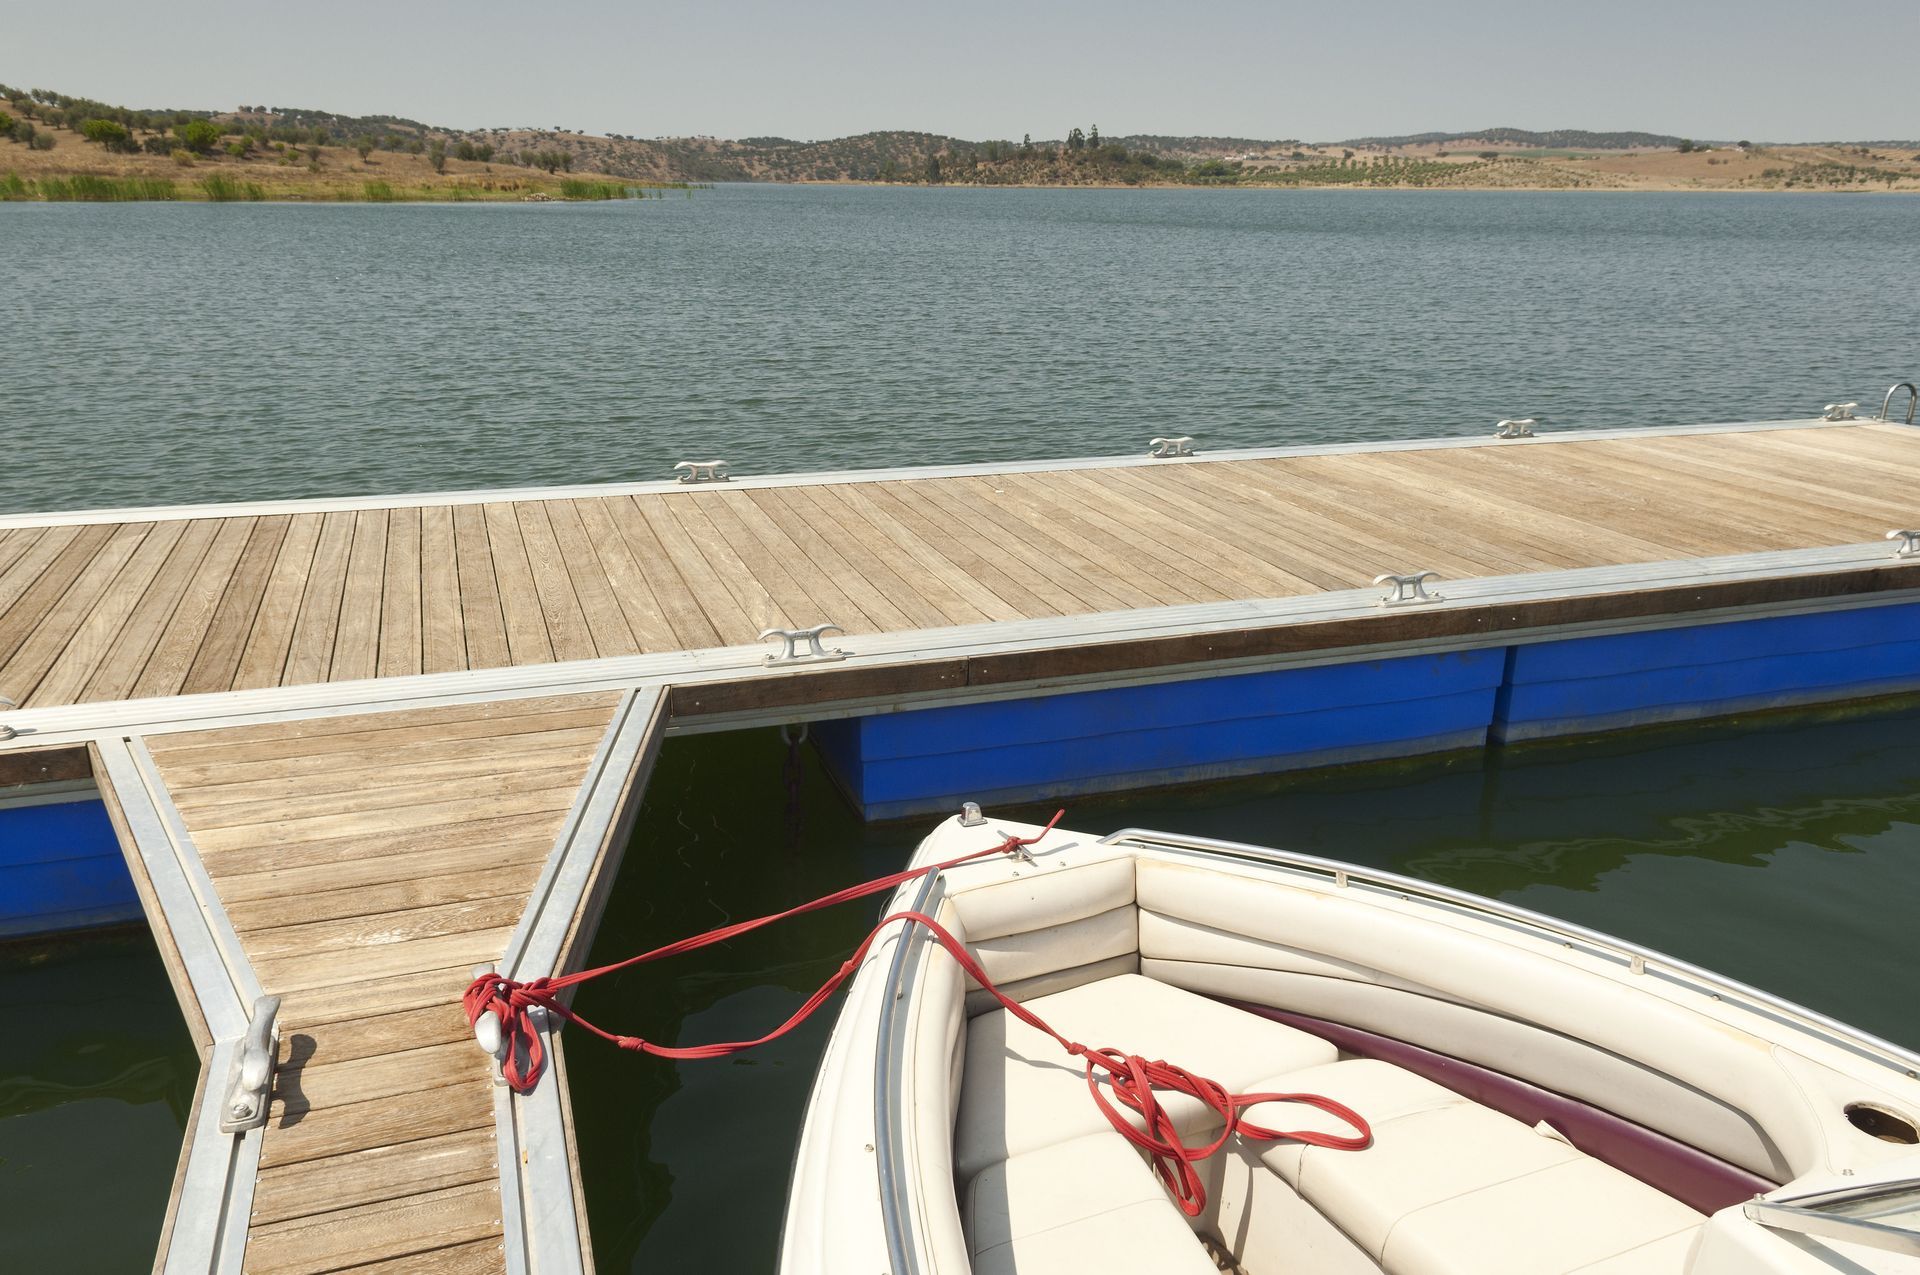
(1541, 1099)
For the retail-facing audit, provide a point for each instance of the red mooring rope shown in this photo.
(1131, 1078)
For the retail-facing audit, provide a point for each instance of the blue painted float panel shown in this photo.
(1584, 685)
(61, 869)
(916, 762)
(1062, 744)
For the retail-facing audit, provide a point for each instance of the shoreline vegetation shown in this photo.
(58, 148)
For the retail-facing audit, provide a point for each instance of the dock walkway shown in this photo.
(356, 747)
(190, 601)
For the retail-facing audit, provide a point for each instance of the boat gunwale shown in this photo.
(1633, 957)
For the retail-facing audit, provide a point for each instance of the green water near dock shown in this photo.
(1783, 853)
(97, 1075)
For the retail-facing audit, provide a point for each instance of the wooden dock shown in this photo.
(356, 747)
(187, 602)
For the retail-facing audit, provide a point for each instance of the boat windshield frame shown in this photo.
(1816, 1215)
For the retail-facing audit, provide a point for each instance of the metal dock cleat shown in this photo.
(1909, 543)
(6, 731)
(815, 653)
(250, 1082)
(1838, 412)
(1164, 447)
(1521, 427)
(1408, 590)
(702, 471)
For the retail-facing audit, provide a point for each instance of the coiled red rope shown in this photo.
(1131, 1079)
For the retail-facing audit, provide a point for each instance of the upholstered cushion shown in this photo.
(1087, 1204)
(1449, 1187)
(1022, 1091)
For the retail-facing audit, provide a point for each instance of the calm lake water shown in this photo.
(168, 353)
(184, 352)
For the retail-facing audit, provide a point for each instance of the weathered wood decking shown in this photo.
(180, 604)
(367, 864)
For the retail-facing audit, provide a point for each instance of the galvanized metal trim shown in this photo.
(414, 500)
(544, 1172)
(534, 950)
(212, 909)
(223, 993)
(209, 1219)
(513, 1230)
(1650, 962)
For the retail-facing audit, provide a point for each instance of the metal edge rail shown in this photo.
(542, 1228)
(214, 1199)
(470, 496)
(1633, 957)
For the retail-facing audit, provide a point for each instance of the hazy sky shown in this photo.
(1763, 69)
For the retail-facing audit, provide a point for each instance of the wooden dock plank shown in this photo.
(630, 585)
(459, 1225)
(211, 652)
(115, 674)
(443, 634)
(316, 624)
(399, 636)
(386, 1121)
(481, 617)
(41, 589)
(23, 671)
(658, 537)
(677, 602)
(943, 582)
(26, 571)
(14, 542)
(105, 621)
(526, 623)
(705, 555)
(356, 644)
(263, 660)
(379, 1122)
(593, 587)
(373, 1174)
(863, 568)
(553, 583)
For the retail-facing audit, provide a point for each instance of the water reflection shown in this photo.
(97, 1075)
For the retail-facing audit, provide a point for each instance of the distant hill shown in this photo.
(1554, 139)
(286, 147)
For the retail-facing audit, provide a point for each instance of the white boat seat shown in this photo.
(1087, 1204)
(1453, 1188)
(1022, 1092)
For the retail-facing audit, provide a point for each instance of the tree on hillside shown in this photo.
(1093, 137)
(933, 169)
(437, 155)
(109, 134)
(364, 144)
(6, 125)
(1686, 146)
(1026, 143)
(198, 136)
(1075, 139)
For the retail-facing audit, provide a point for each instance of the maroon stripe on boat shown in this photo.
(1673, 1168)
